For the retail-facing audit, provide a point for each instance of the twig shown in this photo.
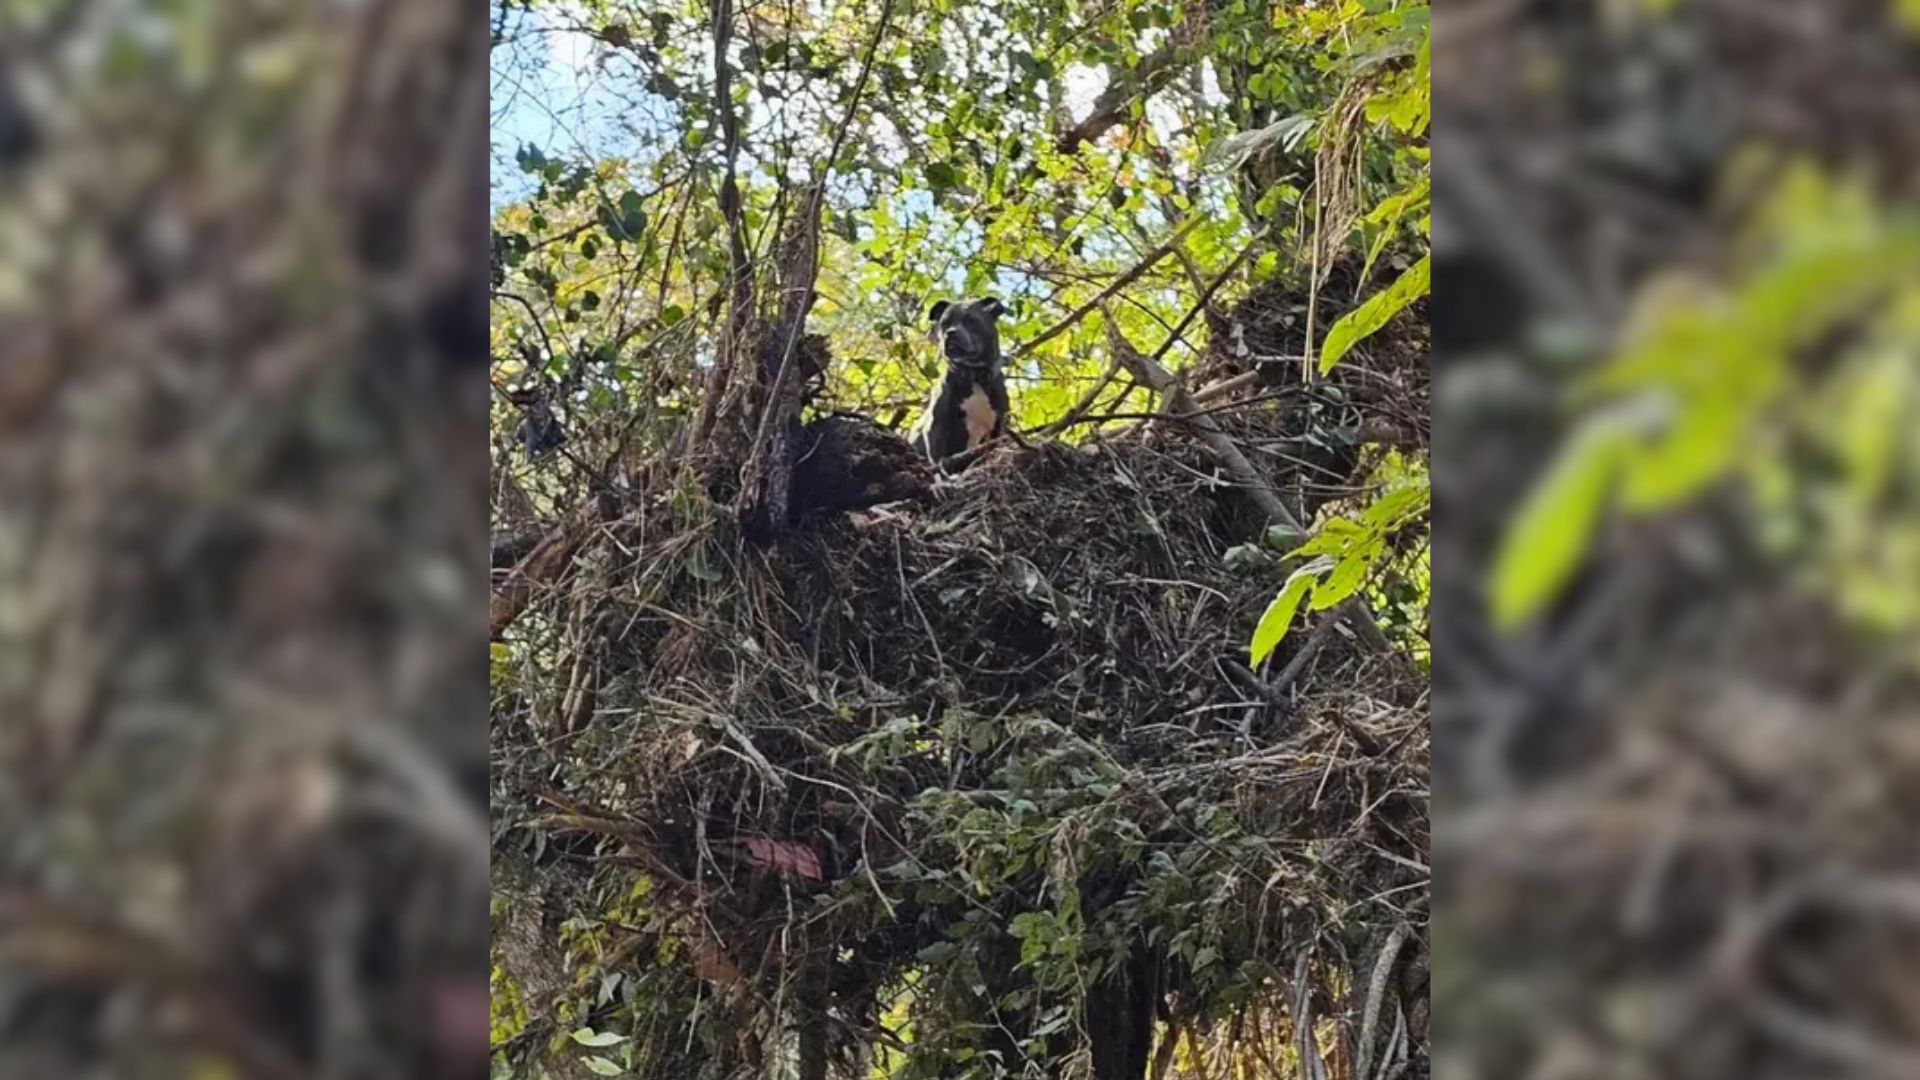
(1308, 1046)
(774, 779)
(1275, 692)
(1206, 297)
(1225, 387)
(1376, 992)
(1132, 274)
(1079, 411)
(1187, 418)
(1295, 666)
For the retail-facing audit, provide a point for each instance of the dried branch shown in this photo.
(1366, 1037)
(543, 564)
(37, 937)
(1180, 403)
(768, 488)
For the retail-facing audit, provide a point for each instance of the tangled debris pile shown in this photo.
(989, 764)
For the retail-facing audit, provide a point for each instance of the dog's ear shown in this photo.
(992, 306)
(933, 313)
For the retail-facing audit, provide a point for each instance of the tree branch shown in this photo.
(1154, 72)
(1129, 277)
(543, 564)
(768, 490)
(739, 263)
(1179, 403)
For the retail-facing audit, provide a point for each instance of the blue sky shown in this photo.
(546, 93)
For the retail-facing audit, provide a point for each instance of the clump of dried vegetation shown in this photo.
(980, 778)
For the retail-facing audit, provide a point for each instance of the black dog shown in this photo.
(969, 405)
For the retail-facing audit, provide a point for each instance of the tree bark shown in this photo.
(740, 293)
(767, 493)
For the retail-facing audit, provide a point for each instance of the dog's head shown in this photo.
(967, 332)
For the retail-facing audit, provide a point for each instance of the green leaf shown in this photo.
(1552, 530)
(1356, 325)
(596, 1039)
(628, 219)
(1389, 213)
(1235, 150)
(1057, 1022)
(672, 315)
(604, 1067)
(1284, 537)
(1345, 579)
(941, 176)
(1703, 444)
(1279, 615)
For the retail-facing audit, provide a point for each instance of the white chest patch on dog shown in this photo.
(980, 417)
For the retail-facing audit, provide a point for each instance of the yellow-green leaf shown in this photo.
(590, 1037)
(1550, 533)
(1906, 16)
(1702, 445)
(1279, 615)
(1387, 217)
(1346, 578)
(1356, 325)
